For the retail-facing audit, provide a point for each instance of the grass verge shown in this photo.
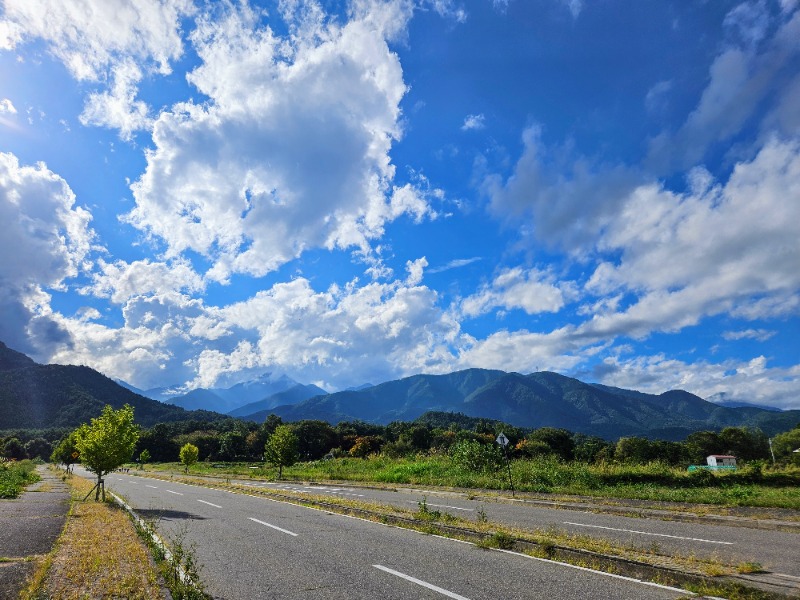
(98, 555)
(751, 486)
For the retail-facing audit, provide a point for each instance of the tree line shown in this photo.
(237, 440)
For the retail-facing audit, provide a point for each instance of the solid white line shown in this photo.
(154, 536)
(209, 503)
(176, 493)
(676, 537)
(601, 573)
(420, 582)
(275, 527)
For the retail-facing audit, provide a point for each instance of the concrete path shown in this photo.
(29, 526)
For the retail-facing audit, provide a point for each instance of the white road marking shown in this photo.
(419, 582)
(209, 503)
(151, 486)
(176, 493)
(675, 537)
(601, 573)
(286, 531)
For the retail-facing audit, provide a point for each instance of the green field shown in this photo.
(754, 485)
(14, 476)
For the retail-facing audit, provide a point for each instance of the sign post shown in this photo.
(503, 441)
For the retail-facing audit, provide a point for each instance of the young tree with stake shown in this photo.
(281, 448)
(189, 455)
(107, 443)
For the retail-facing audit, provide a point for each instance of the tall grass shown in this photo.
(752, 485)
(14, 476)
(749, 486)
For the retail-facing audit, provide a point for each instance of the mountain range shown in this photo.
(39, 396)
(35, 396)
(263, 393)
(541, 399)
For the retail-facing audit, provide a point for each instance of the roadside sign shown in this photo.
(502, 440)
(74, 455)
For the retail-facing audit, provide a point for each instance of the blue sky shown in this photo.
(195, 193)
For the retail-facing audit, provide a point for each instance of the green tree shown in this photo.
(232, 444)
(590, 448)
(281, 449)
(38, 448)
(14, 449)
(366, 445)
(315, 439)
(189, 454)
(745, 443)
(471, 455)
(785, 444)
(107, 442)
(532, 448)
(271, 423)
(636, 450)
(159, 443)
(66, 451)
(144, 457)
(559, 440)
(702, 443)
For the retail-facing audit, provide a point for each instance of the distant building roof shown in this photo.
(722, 455)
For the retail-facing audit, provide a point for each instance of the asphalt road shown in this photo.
(775, 550)
(252, 547)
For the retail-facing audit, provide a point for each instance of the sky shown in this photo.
(194, 193)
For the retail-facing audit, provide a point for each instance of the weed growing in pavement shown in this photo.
(749, 567)
(481, 516)
(178, 565)
(498, 539)
(424, 513)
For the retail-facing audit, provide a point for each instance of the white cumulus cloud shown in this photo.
(103, 40)
(532, 291)
(292, 149)
(729, 247)
(46, 240)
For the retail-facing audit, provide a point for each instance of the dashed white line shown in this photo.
(419, 582)
(151, 486)
(286, 531)
(675, 537)
(176, 493)
(209, 503)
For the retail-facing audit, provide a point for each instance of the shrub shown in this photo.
(471, 455)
